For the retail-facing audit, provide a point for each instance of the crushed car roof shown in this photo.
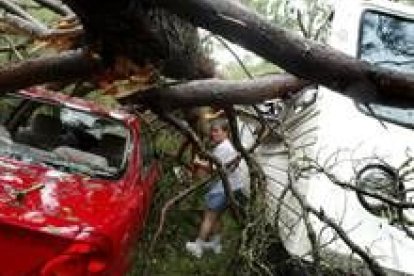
(73, 102)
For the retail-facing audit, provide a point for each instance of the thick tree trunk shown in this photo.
(219, 92)
(144, 34)
(298, 56)
(303, 58)
(68, 66)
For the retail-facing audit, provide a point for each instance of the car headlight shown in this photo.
(382, 180)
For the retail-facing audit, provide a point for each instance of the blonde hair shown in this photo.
(221, 123)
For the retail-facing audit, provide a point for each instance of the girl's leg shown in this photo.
(217, 226)
(210, 224)
(209, 231)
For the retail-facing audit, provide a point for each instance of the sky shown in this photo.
(222, 56)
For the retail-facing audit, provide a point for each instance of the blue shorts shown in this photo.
(218, 201)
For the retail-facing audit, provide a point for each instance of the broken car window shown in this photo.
(63, 137)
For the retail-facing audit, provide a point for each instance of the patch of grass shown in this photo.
(169, 257)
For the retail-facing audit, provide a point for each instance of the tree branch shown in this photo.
(323, 25)
(373, 265)
(55, 6)
(219, 92)
(67, 66)
(13, 48)
(370, 261)
(11, 23)
(221, 169)
(17, 10)
(15, 24)
(301, 57)
(299, 19)
(171, 202)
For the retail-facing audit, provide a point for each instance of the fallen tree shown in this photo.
(108, 27)
(154, 45)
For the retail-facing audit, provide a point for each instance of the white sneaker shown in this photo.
(214, 244)
(195, 248)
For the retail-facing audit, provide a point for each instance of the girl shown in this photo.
(215, 199)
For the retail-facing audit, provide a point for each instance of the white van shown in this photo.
(363, 146)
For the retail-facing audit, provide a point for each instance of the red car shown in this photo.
(75, 185)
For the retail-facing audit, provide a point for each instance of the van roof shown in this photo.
(400, 9)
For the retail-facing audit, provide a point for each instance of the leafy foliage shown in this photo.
(307, 17)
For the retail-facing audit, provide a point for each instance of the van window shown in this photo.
(388, 41)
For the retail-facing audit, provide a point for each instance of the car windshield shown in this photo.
(388, 41)
(70, 140)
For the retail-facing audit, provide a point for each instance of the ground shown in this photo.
(170, 258)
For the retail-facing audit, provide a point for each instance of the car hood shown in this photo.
(41, 197)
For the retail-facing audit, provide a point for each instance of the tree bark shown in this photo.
(144, 34)
(219, 92)
(71, 65)
(298, 56)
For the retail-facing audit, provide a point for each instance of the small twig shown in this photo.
(18, 47)
(235, 55)
(309, 228)
(377, 195)
(14, 49)
(255, 172)
(323, 25)
(171, 202)
(299, 19)
(372, 263)
(19, 195)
